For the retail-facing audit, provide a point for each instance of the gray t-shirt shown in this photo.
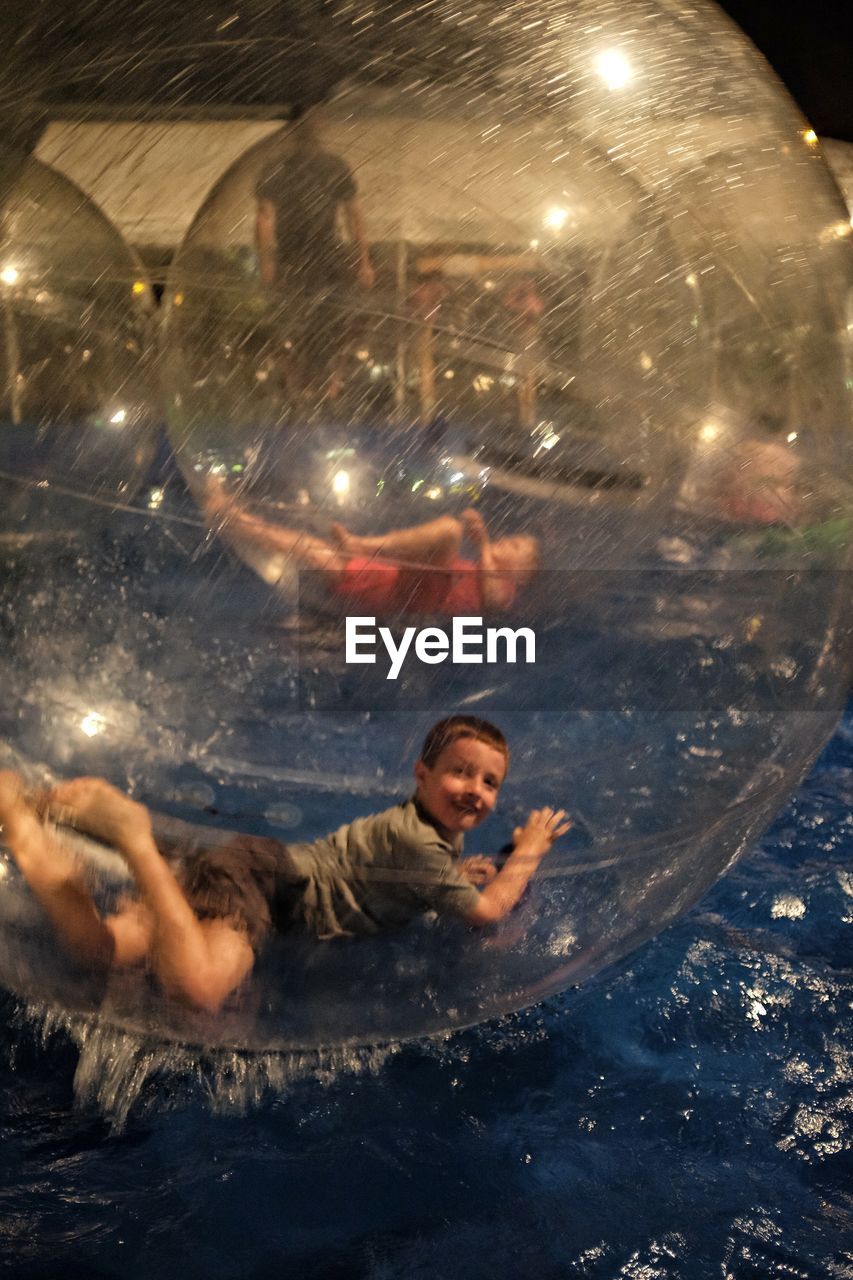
(379, 873)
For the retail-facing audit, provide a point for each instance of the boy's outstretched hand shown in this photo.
(542, 828)
(530, 844)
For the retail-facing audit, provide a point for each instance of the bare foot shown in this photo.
(13, 802)
(343, 539)
(100, 810)
(474, 526)
(41, 861)
(215, 502)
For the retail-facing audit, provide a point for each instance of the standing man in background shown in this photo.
(311, 272)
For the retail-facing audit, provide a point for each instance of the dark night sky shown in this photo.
(809, 42)
(811, 48)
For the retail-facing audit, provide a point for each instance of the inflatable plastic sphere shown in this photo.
(75, 348)
(538, 322)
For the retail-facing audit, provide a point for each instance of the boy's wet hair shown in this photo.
(453, 727)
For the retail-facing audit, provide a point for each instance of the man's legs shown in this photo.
(55, 879)
(198, 961)
(305, 549)
(436, 542)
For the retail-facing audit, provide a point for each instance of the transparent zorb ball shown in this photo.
(586, 277)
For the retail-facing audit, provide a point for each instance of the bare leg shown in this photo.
(201, 962)
(436, 542)
(307, 550)
(54, 877)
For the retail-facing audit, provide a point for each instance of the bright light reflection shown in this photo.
(556, 218)
(155, 498)
(792, 435)
(119, 417)
(10, 275)
(614, 69)
(809, 137)
(434, 493)
(709, 432)
(549, 439)
(341, 483)
(93, 724)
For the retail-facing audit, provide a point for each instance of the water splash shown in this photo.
(117, 1068)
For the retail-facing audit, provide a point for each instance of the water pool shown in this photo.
(684, 1115)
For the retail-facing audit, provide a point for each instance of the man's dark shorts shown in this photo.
(251, 882)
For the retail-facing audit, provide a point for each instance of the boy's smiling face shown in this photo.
(460, 790)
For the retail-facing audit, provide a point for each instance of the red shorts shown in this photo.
(384, 586)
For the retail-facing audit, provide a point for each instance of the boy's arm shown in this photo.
(531, 843)
(478, 870)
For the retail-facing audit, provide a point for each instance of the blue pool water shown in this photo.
(686, 1115)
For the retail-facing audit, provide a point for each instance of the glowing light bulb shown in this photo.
(613, 68)
(93, 724)
(556, 218)
(341, 484)
(10, 275)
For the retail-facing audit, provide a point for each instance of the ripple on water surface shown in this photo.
(686, 1115)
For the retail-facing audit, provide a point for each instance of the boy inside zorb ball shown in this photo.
(200, 915)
